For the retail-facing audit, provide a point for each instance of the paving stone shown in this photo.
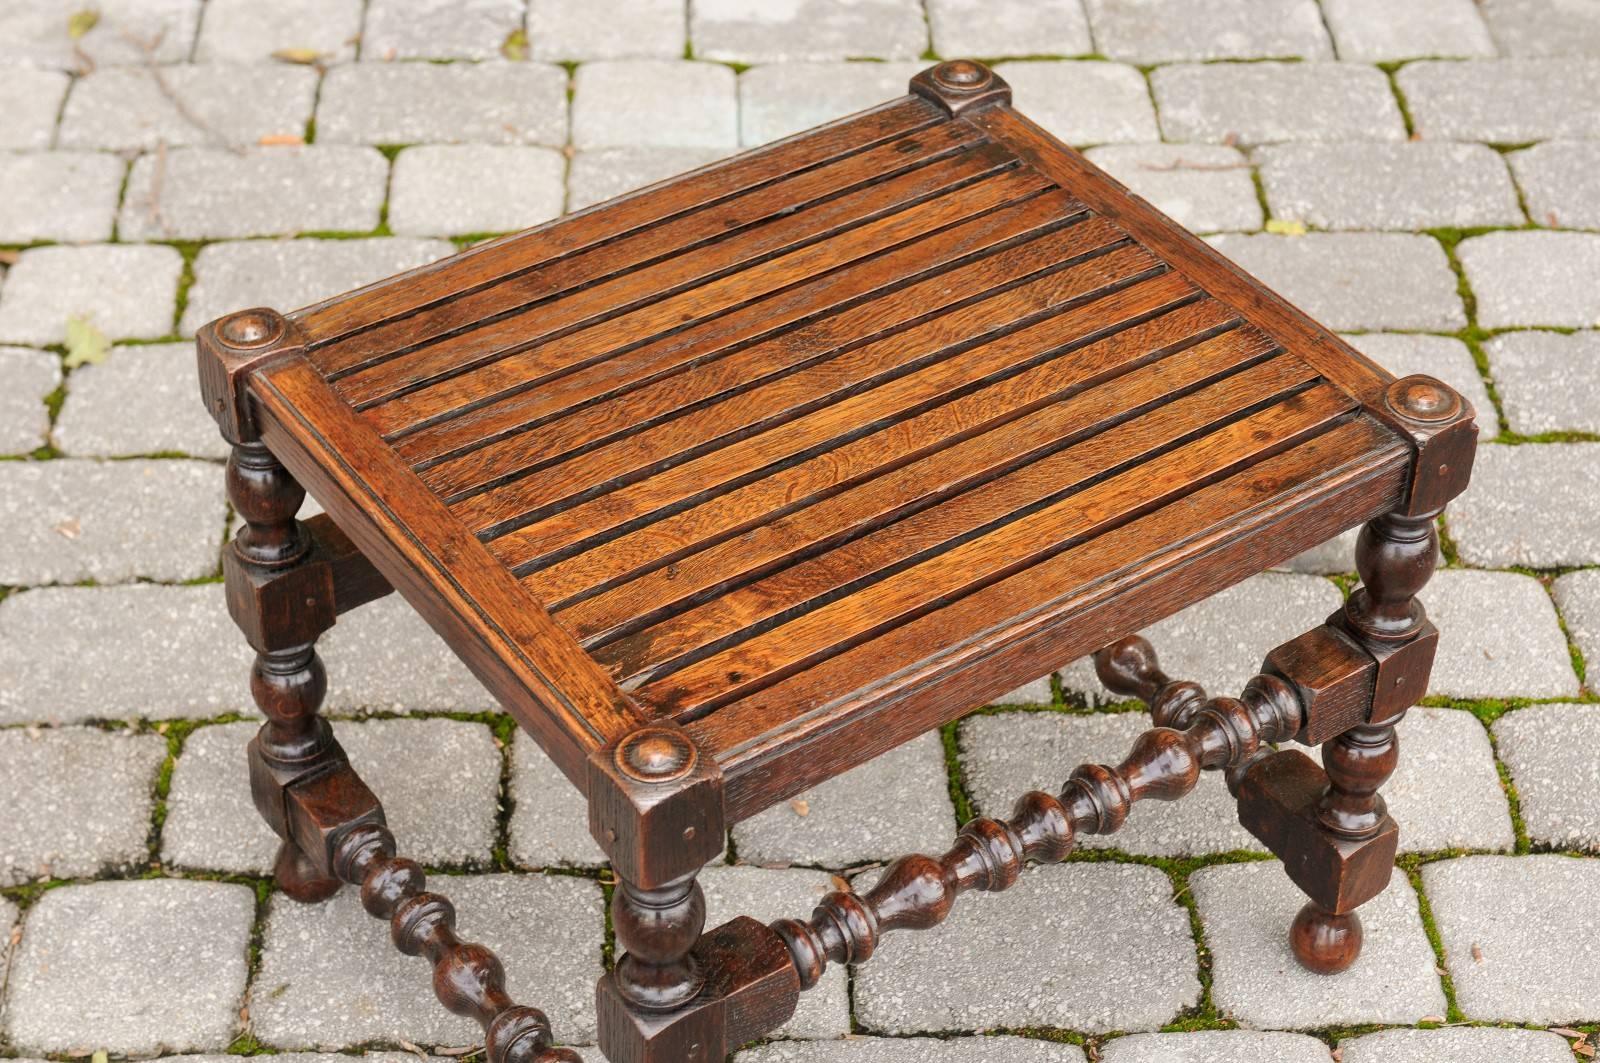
(895, 804)
(245, 31)
(125, 292)
(1377, 31)
(1406, 354)
(474, 188)
(207, 194)
(1257, 103)
(329, 975)
(1355, 280)
(1203, 187)
(69, 654)
(1132, 963)
(8, 922)
(133, 109)
(786, 98)
(1577, 595)
(289, 274)
(1534, 278)
(439, 781)
(66, 196)
(1547, 380)
(1550, 751)
(654, 103)
(980, 1049)
(1084, 103)
(1246, 910)
(439, 29)
(738, 31)
(78, 801)
(1034, 692)
(1536, 505)
(140, 400)
(443, 103)
(1460, 1045)
(1166, 31)
(604, 173)
(1215, 1046)
(1503, 101)
(767, 895)
(133, 968)
(67, 521)
(1499, 637)
(607, 29)
(1008, 27)
(1519, 935)
(30, 100)
(1388, 186)
(34, 33)
(1007, 755)
(549, 815)
(1560, 182)
(27, 377)
(384, 657)
(1544, 27)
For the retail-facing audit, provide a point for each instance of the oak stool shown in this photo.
(737, 482)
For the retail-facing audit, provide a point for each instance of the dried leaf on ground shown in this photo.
(86, 345)
(515, 46)
(801, 806)
(281, 140)
(1286, 228)
(300, 56)
(80, 23)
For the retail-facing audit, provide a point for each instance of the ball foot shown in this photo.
(1323, 942)
(299, 878)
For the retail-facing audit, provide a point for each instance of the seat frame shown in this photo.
(660, 803)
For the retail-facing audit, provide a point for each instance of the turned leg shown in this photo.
(657, 928)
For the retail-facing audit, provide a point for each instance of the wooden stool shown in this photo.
(732, 484)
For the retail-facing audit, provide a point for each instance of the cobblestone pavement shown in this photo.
(1424, 175)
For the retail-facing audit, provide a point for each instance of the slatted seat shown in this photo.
(811, 450)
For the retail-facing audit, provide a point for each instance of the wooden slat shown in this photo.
(495, 261)
(816, 635)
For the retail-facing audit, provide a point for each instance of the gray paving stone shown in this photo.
(439, 29)
(69, 654)
(1008, 27)
(207, 194)
(1519, 934)
(607, 29)
(1132, 963)
(1550, 750)
(1034, 692)
(786, 98)
(329, 975)
(243, 31)
(1577, 595)
(604, 173)
(1498, 637)
(1544, 27)
(78, 801)
(1215, 1046)
(1084, 103)
(1406, 354)
(34, 33)
(66, 196)
(980, 1049)
(549, 815)
(1166, 31)
(1534, 278)
(27, 377)
(654, 103)
(1388, 186)
(384, 657)
(767, 895)
(133, 968)
(289, 274)
(1547, 380)
(125, 292)
(897, 803)
(67, 521)
(1560, 182)
(443, 103)
(1247, 909)
(134, 109)
(1204, 187)
(1004, 756)
(1356, 280)
(1377, 31)
(474, 188)
(1257, 103)
(8, 922)
(1503, 101)
(439, 781)
(1461, 1045)
(30, 100)
(140, 400)
(1535, 505)
(737, 31)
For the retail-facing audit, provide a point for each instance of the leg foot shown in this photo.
(299, 878)
(1323, 942)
